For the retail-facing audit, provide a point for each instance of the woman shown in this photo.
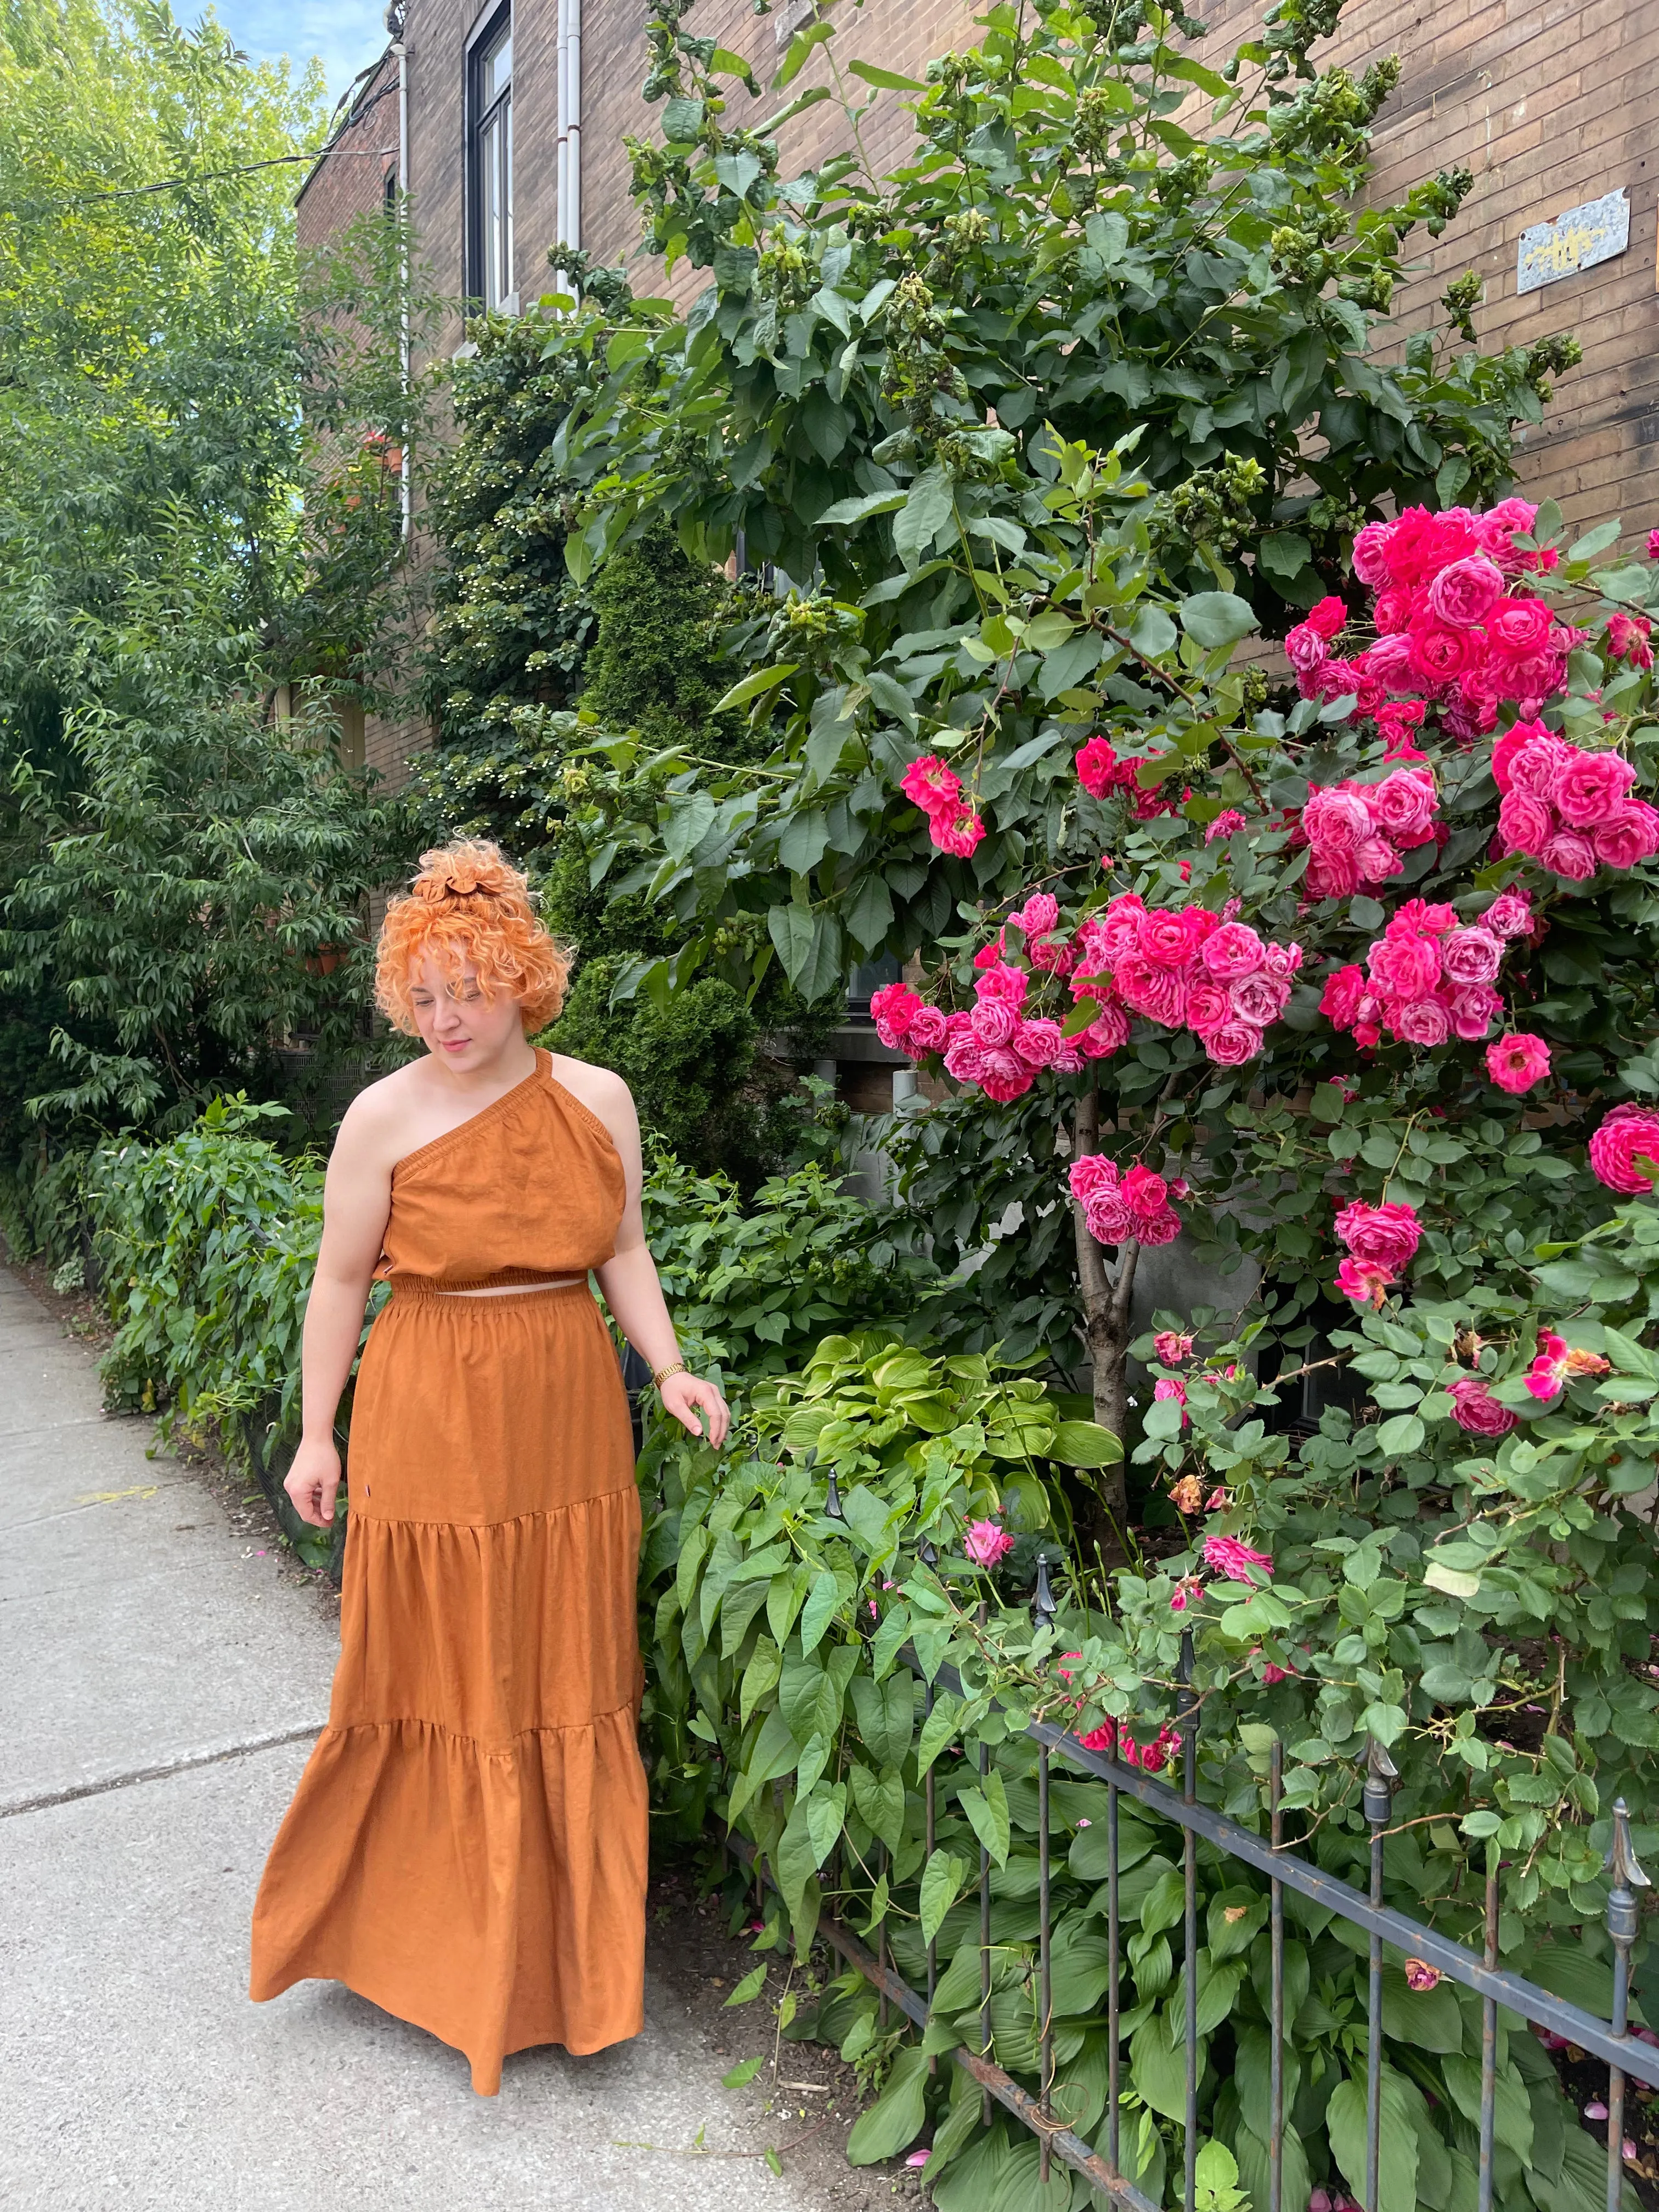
(467, 1845)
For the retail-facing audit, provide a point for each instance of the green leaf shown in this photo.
(681, 119)
(928, 509)
(880, 1803)
(1085, 1444)
(1157, 2065)
(1212, 619)
(941, 1878)
(1285, 554)
(1344, 2119)
(752, 686)
(826, 1816)
(898, 2115)
(887, 80)
(846, 514)
(744, 2071)
(936, 1730)
(749, 1988)
(1404, 1433)
(987, 1808)
(809, 944)
(819, 1610)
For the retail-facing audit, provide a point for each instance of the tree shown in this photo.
(199, 505)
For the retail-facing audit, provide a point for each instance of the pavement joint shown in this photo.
(163, 1771)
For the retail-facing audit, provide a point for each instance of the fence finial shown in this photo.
(832, 1500)
(1381, 1775)
(1625, 1870)
(1045, 1611)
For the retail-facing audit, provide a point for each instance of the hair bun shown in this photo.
(468, 869)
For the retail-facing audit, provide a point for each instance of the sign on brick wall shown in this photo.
(1575, 240)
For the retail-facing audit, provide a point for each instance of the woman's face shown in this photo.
(454, 1020)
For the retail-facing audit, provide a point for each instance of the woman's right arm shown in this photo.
(356, 1200)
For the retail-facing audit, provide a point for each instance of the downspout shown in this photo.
(569, 173)
(394, 22)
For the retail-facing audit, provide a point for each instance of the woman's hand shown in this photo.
(312, 1480)
(688, 1397)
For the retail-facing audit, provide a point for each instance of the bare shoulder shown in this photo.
(600, 1090)
(376, 1124)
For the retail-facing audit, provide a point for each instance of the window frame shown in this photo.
(483, 40)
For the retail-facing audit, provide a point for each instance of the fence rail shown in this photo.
(1479, 1971)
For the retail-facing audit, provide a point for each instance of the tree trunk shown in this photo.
(1106, 1330)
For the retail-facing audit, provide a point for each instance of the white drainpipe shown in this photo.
(569, 173)
(394, 23)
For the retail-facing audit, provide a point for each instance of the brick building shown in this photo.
(513, 113)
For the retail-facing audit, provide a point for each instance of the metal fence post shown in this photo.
(1623, 1914)
(1380, 1776)
(1185, 1702)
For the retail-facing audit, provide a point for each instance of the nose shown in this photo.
(447, 1017)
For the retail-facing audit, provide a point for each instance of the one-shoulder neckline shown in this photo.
(544, 1068)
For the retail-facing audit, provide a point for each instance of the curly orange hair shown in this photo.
(470, 903)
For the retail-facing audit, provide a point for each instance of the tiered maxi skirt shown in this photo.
(467, 1846)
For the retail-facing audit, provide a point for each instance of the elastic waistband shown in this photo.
(419, 1289)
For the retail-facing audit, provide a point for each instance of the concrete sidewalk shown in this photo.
(160, 1687)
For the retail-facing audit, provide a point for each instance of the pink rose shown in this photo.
(1518, 627)
(1440, 656)
(1339, 1000)
(1473, 1010)
(1393, 610)
(1336, 820)
(1095, 763)
(1227, 824)
(1388, 1234)
(1283, 961)
(1629, 1134)
(1629, 835)
(1000, 981)
(1421, 1021)
(1236, 1561)
(1232, 951)
(1039, 915)
(1147, 1194)
(1471, 955)
(1538, 766)
(985, 1543)
(1147, 988)
(995, 1021)
(1305, 649)
(931, 785)
(1118, 930)
(1371, 552)
(1466, 593)
(1529, 678)
(1038, 1044)
(1331, 875)
(1570, 854)
(1402, 805)
(1390, 662)
(1259, 1000)
(1474, 1409)
(1158, 1227)
(1404, 967)
(1233, 1044)
(959, 836)
(928, 1032)
(1329, 617)
(893, 1009)
(1208, 1006)
(964, 1059)
(1106, 1034)
(1423, 544)
(1525, 825)
(1592, 787)
(1364, 1281)
(1505, 749)
(1509, 914)
(1172, 1347)
(1377, 860)
(1168, 938)
(1109, 1218)
(1518, 1060)
(1090, 1175)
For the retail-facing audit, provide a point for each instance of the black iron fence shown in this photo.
(1626, 2056)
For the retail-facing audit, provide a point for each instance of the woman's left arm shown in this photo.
(628, 1279)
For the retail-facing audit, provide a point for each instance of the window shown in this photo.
(490, 168)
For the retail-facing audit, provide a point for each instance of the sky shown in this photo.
(346, 34)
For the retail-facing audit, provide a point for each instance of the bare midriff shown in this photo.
(515, 1290)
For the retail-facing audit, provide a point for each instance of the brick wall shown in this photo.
(1550, 102)
(349, 180)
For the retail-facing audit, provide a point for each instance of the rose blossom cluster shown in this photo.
(993, 1043)
(1118, 1206)
(1151, 1757)
(1099, 770)
(1358, 833)
(953, 822)
(1429, 976)
(1381, 1241)
(1570, 810)
(1449, 625)
(1629, 1133)
(1187, 968)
